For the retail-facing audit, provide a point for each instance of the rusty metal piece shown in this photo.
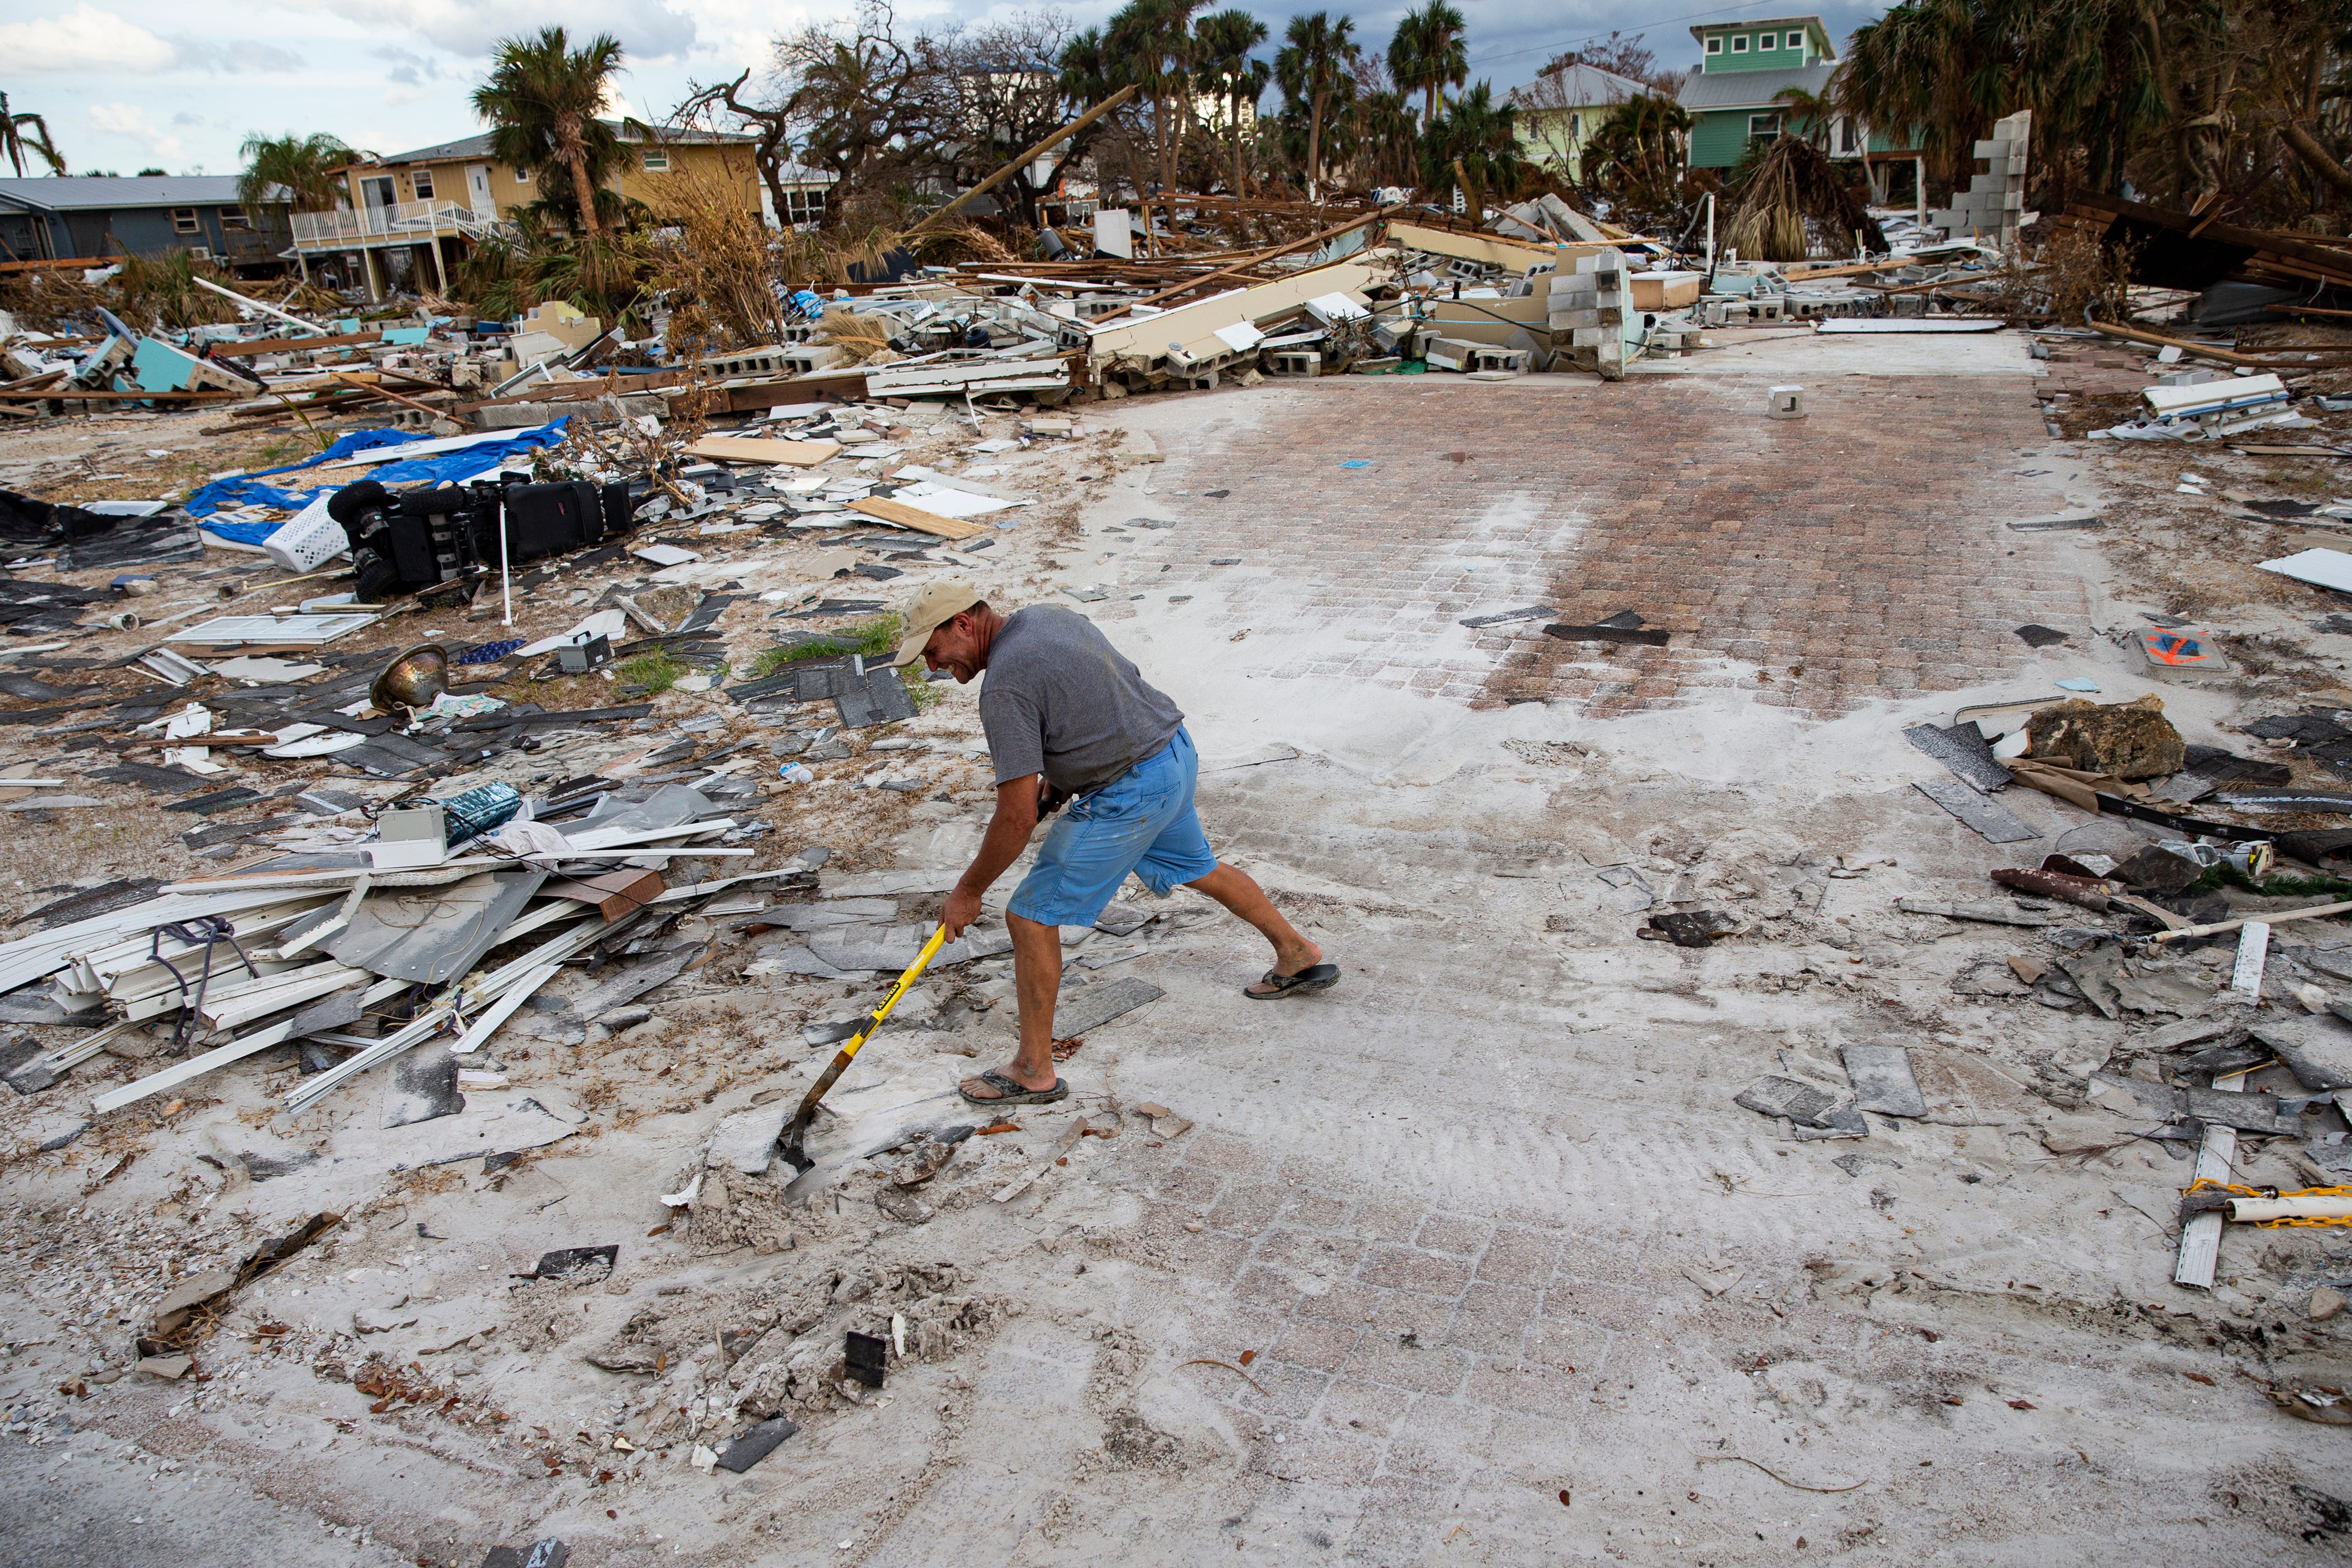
(2086, 892)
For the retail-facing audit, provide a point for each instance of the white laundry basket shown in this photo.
(308, 539)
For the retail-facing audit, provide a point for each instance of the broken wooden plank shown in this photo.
(755, 449)
(916, 518)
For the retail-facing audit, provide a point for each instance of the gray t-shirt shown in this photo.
(1058, 698)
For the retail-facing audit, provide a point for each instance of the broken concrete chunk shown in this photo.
(746, 1141)
(1792, 1098)
(1882, 1080)
(2129, 740)
(1165, 1124)
(904, 1206)
(173, 1312)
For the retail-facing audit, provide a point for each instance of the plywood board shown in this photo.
(916, 518)
(751, 449)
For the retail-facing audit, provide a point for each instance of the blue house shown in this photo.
(107, 216)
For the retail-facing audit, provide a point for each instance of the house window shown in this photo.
(1739, 45)
(656, 160)
(1763, 125)
(233, 218)
(1796, 40)
(1576, 127)
(1848, 140)
(1715, 45)
(1765, 41)
(522, 176)
(422, 179)
(804, 204)
(183, 220)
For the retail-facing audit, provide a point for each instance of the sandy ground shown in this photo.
(1470, 1260)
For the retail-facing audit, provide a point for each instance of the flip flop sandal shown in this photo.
(1314, 977)
(1011, 1091)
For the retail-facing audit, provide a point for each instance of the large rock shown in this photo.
(2129, 740)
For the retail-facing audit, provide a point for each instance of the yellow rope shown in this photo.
(2207, 1183)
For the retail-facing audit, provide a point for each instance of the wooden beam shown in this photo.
(1260, 258)
(63, 264)
(124, 397)
(2140, 335)
(387, 392)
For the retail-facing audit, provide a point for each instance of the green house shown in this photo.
(1742, 67)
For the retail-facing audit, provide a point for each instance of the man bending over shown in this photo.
(1072, 724)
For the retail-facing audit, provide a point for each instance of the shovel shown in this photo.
(857, 1032)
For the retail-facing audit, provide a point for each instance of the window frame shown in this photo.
(421, 185)
(1795, 41)
(1715, 43)
(1772, 129)
(236, 217)
(655, 160)
(1739, 43)
(186, 220)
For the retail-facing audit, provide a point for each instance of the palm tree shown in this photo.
(541, 101)
(1428, 52)
(1223, 43)
(1149, 44)
(23, 133)
(1809, 109)
(304, 166)
(1636, 152)
(1311, 69)
(1478, 142)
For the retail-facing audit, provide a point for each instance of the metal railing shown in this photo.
(421, 220)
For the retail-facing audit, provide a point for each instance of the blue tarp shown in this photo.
(248, 490)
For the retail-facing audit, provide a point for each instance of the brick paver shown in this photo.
(1819, 564)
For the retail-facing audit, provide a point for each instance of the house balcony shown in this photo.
(400, 223)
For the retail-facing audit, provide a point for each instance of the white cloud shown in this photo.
(648, 29)
(88, 39)
(84, 39)
(130, 120)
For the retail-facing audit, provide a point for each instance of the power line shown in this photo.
(1596, 38)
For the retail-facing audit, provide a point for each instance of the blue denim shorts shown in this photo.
(1142, 822)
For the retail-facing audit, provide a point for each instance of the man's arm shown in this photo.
(1008, 835)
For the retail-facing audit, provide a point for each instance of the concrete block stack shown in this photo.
(1588, 305)
(1989, 208)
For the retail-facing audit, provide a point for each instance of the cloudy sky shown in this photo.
(178, 84)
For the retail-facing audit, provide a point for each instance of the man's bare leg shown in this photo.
(1037, 977)
(1235, 890)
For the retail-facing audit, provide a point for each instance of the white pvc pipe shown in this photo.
(252, 304)
(2290, 1209)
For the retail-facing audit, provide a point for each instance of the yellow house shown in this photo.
(414, 216)
(1561, 110)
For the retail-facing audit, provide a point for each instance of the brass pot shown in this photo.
(414, 679)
